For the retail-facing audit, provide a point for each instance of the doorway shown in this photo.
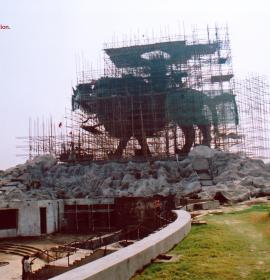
(43, 220)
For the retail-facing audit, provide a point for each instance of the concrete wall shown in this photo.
(89, 201)
(29, 216)
(123, 264)
(8, 233)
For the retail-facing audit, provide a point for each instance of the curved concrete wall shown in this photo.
(123, 264)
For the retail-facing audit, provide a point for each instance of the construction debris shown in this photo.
(198, 222)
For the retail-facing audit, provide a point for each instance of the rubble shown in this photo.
(234, 178)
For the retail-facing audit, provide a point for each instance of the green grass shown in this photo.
(231, 246)
(263, 207)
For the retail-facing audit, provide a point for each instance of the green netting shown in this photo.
(188, 107)
(154, 92)
(184, 107)
(178, 52)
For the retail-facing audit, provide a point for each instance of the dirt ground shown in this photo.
(13, 270)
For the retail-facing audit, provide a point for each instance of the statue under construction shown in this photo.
(159, 99)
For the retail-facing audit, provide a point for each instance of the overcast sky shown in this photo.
(38, 53)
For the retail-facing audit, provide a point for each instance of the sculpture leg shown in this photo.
(189, 134)
(143, 143)
(121, 146)
(206, 133)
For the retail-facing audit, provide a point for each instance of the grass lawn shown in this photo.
(231, 246)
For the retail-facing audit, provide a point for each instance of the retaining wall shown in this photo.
(123, 264)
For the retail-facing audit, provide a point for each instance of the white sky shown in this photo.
(37, 55)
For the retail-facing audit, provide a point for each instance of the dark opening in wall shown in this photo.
(8, 218)
(43, 220)
(88, 218)
(198, 206)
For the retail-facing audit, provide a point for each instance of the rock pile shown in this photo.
(234, 177)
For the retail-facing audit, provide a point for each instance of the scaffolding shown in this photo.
(159, 98)
(253, 99)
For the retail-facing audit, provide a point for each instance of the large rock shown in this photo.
(202, 151)
(232, 191)
(200, 164)
(188, 186)
(44, 162)
(128, 179)
(187, 171)
(15, 194)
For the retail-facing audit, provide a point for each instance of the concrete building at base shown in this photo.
(29, 218)
(34, 218)
(87, 215)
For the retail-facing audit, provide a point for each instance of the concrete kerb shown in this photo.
(123, 264)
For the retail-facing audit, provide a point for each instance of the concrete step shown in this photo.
(21, 251)
(205, 176)
(13, 252)
(77, 256)
(47, 272)
(30, 251)
(22, 246)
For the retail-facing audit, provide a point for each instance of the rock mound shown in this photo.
(234, 177)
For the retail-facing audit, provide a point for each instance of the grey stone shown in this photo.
(199, 164)
(187, 171)
(206, 182)
(204, 176)
(184, 163)
(202, 151)
(235, 176)
(128, 179)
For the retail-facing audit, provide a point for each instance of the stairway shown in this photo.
(202, 167)
(19, 249)
(61, 265)
(68, 261)
(47, 272)
(206, 179)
